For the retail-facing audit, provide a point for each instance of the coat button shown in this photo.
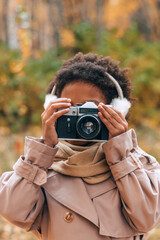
(68, 217)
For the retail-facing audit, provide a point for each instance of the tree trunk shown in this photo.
(54, 21)
(5, 19)
(99, 19)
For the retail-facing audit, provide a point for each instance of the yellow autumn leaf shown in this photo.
(67, 38)
(16, 67)
(23, 110)
(117, 14)
(3, 79)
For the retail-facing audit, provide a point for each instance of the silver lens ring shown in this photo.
(90, 118)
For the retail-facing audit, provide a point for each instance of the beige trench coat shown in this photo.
(58, 207)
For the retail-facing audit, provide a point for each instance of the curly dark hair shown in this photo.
(91, 68)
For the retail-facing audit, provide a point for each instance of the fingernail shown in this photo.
(100, 106)
(69, 99)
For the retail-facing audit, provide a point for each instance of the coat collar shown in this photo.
(72, 193)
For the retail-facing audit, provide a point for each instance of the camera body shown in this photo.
(82, 123)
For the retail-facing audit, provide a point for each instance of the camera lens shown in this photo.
(88, 126)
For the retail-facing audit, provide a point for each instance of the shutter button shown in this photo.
(68, 217)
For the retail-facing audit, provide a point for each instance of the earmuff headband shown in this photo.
(119, 89)
(120, 103)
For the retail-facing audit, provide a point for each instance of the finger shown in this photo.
(56, 106)
(57, 100)
(53, 108)
(113, 110)
(106, 122)
(111, 128)
(113, 116)
(56, 115)
(110, 119)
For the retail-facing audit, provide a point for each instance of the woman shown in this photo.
(84, 190)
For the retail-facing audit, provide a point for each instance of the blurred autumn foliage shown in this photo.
(23, 82)
(33, 47)
(36, 36)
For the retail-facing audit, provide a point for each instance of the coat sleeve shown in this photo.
(21, 195)
(137, 175)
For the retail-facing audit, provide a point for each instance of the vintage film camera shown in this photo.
(82, 123)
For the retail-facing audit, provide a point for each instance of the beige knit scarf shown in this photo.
(87, 162)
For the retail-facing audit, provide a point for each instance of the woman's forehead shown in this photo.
(80, 92)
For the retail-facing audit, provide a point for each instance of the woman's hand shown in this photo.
(49, 118)
(113, 120)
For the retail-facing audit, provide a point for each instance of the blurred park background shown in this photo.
(36, 36)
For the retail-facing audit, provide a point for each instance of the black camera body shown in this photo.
(82, 123)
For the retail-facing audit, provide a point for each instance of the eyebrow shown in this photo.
(92, 101)
(95, 101)
(89, 100)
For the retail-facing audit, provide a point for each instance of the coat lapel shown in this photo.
(72, 193)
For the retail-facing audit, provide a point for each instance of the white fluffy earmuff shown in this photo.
(121, 104)
(50, 97)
